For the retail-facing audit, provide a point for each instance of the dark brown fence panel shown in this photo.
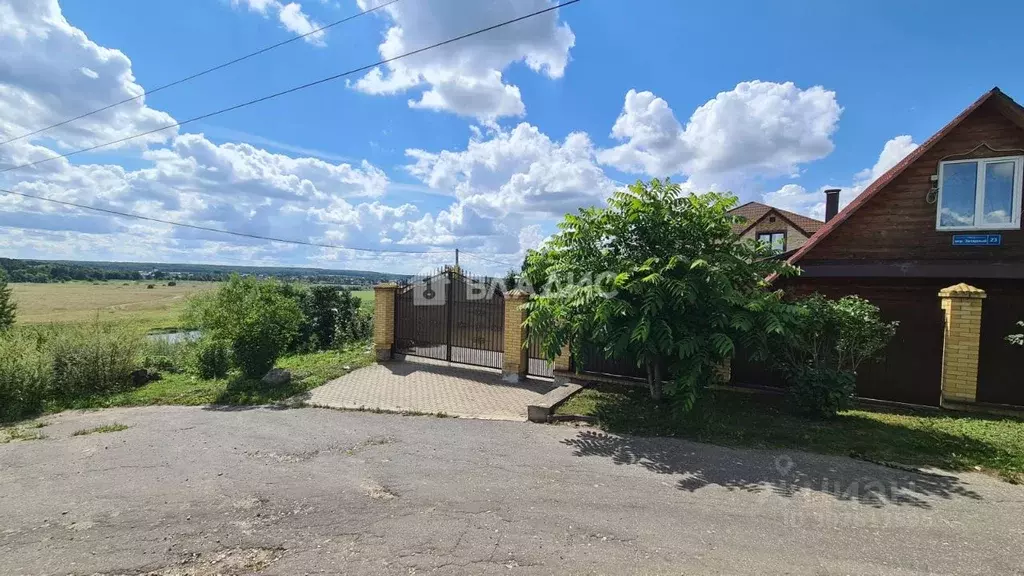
(1001, 364)
(477, 320)
(748, 372)
(595, 362)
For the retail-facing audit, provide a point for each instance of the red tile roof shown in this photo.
(754, 212)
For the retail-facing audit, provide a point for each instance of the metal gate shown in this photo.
(453, 317)
(537, 364)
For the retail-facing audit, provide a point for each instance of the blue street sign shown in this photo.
(977, 239)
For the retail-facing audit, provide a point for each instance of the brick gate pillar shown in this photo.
(563, 362)
(516, 356)
(962, 336)
(384, 319)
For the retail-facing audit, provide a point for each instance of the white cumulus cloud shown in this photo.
(521, 171)
(796, 198)
(291, 17)
(52, 71)
(465, 77)
(756, 129)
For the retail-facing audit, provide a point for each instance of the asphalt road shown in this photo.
(200, 491)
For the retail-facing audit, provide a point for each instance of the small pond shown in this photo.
(175, 337)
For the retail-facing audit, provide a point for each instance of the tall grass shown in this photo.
(58, 363)
(25, 374)
(96, 360)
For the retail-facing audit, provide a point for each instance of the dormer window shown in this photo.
(774, 240)
(980, 194)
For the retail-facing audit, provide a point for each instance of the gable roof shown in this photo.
(1013, 111)
(754, 212)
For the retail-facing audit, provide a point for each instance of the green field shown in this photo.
(156, 308)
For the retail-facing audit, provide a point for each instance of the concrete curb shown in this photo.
(541, 410)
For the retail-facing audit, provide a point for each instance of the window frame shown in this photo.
(979, 195)
(769, 234)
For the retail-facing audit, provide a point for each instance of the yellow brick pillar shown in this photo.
(563, 361)
(513, 367)
(962, 307)
(723, 372)
(384, 319)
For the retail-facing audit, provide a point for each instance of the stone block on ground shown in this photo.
(277, 377)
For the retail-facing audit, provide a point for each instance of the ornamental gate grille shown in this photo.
(452, 316)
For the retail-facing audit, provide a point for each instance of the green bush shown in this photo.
(822, 392)
(92, 359)
(258, 319)
(210, 359)
(354, 323)
(7, 306)
(823, 347)
(24, 377)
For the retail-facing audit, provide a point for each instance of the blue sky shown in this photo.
(796, 96)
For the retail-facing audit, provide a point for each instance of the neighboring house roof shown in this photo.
(754, 212)
(1013, 111)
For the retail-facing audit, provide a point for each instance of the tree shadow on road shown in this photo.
(785, 474)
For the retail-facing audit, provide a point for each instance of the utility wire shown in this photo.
(201, 73)
(217, 230)
(484, 258)
(233, 233)
(296, 88)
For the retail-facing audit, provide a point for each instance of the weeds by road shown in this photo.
(733, 418)
(308, 370)
(100, 429)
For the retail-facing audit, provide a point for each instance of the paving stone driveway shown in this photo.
(421, 386)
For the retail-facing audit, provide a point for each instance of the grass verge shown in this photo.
(733, 418)
(308, 371)
(20, 433)
(100, 429)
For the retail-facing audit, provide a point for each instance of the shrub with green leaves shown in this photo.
(209, 359)
(258, 319)
(354, 324)
(822, 392)
(24, 377)
(826, 342)
(7, 306)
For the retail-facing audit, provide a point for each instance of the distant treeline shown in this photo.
(46, 271)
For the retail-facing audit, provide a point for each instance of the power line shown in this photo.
(217, 230)
(296, 88)
(201, 73)
(484, 258)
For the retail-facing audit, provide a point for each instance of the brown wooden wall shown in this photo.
(899, 224)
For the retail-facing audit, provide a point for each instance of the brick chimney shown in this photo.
(831, 203)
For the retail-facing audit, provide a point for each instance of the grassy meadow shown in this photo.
(155, 309)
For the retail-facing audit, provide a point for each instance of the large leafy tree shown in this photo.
(658, 277)
(7, 305)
